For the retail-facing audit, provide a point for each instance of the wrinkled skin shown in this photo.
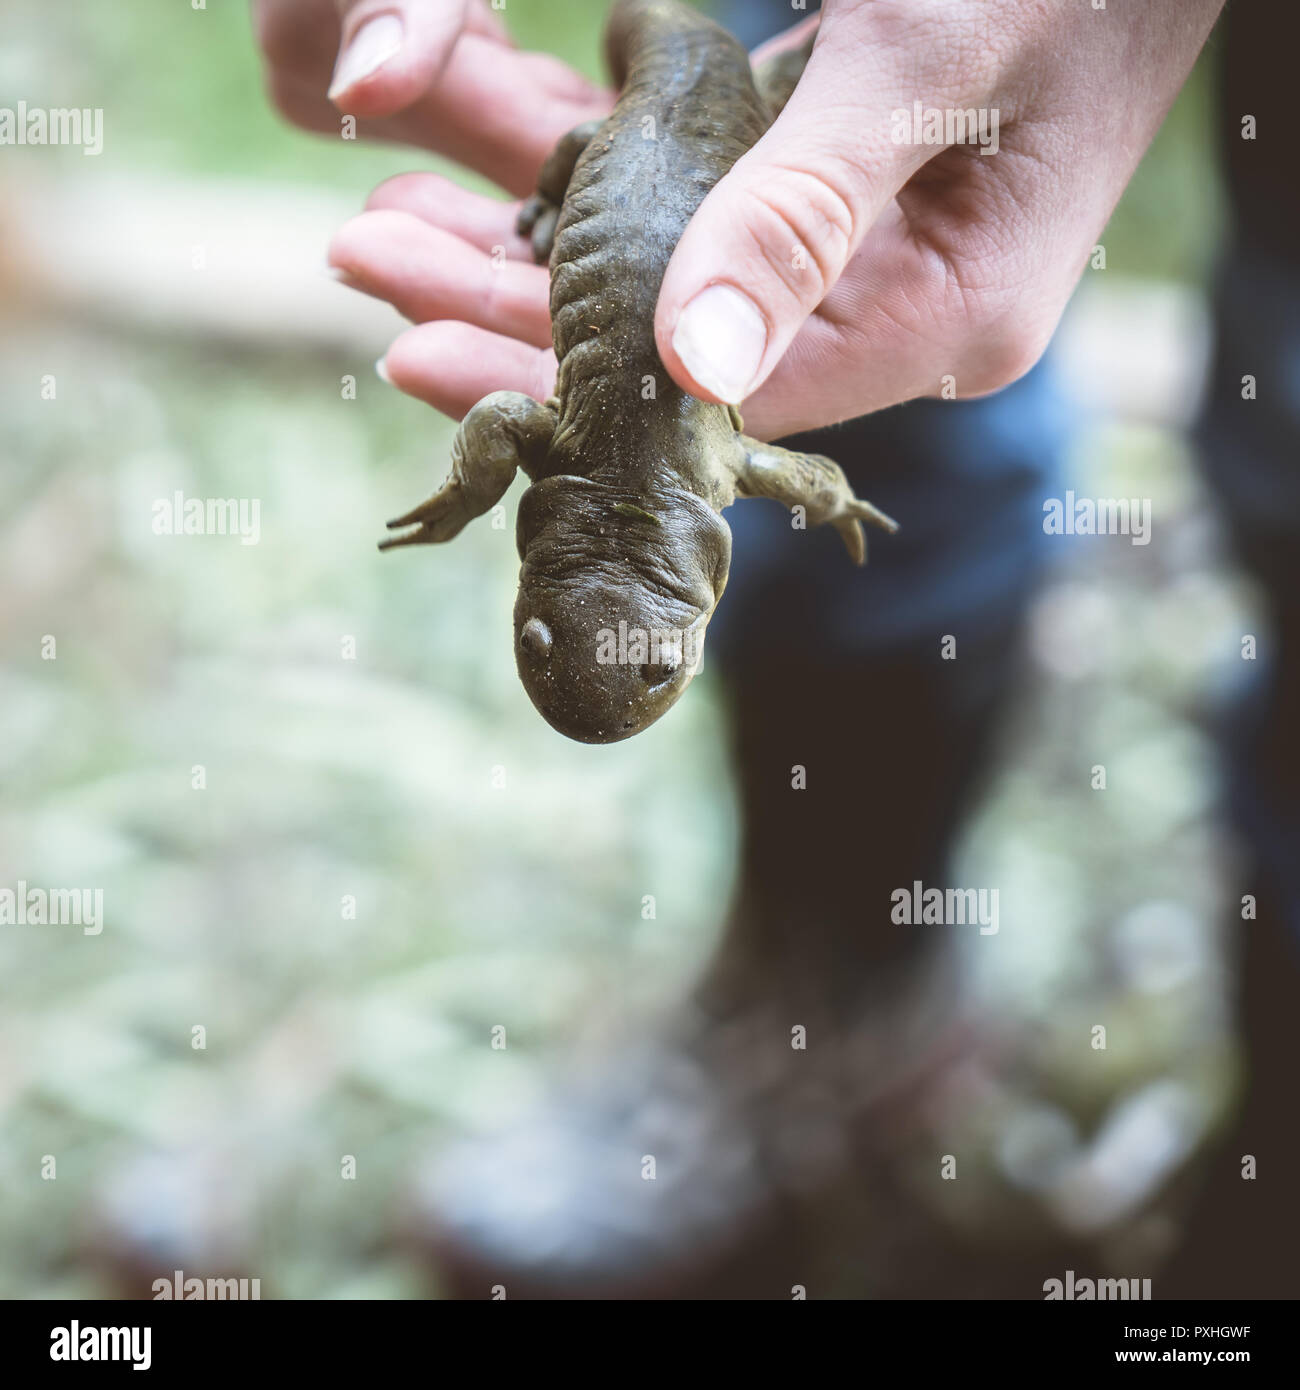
(620, 532)
(587, 570)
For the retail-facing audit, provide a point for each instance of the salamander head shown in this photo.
(614, 599)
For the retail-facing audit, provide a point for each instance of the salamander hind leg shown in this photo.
(540, 213)
(503, 433)
(810, 481)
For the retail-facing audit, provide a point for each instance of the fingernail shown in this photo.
(720, 338)
(371, 47)
(381, 371)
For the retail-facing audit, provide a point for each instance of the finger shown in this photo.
(921, 310)
(298, 38)
(452, 366)
(494, 110)
(863, 348)
(427, 273)
(501, 113)
(486, 223)
(775, 234)
(392, 51)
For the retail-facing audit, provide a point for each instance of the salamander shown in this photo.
(624, 554)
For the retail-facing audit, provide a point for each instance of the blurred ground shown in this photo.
(498, 872)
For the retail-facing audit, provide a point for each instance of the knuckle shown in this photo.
(1003, 313)
(393, 192)
(1002, 354)
(805, 227)
(347, 245)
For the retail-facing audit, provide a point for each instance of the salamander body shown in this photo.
(624, 552)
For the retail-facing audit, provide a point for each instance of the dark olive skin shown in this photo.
(661, 576)
(620, 531)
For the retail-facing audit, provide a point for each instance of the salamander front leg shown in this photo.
(541, 212)
(504, 432)
(810, 481)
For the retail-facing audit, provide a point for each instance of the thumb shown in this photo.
(773, 236)
(392, 51)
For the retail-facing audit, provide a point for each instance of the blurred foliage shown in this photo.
(328, 778)
(1168, 223)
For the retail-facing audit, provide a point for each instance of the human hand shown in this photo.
(836, 270)
(439, 74)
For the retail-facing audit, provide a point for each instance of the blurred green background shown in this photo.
(497, 870)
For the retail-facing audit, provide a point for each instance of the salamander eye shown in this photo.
(535, 638)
